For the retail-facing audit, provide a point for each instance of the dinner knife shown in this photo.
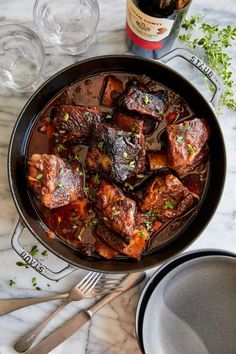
(71, 326)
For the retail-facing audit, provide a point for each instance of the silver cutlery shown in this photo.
(9, 305)
(71, 326)
(91, 285)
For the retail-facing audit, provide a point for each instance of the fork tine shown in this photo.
(84, 279)
(92, 282)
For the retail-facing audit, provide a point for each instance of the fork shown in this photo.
(84, 289)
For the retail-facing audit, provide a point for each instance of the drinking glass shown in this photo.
(21, 59)
(69, 25)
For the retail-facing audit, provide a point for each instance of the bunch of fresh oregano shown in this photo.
(214, 40)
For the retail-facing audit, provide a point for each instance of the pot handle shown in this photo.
(34, 263)
(201, 66)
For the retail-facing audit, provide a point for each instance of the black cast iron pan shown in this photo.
(158, 71)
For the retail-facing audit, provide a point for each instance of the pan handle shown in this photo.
(201, 66)
(34, 263)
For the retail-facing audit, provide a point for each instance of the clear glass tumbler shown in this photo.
(21, 59)
(67, 24)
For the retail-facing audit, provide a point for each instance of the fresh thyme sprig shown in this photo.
(214, 40)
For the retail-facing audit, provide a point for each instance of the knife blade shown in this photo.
(75, 323)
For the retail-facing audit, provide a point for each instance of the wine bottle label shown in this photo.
(146, 30)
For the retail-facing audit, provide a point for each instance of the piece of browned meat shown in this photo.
(128, 123)
(157, 160)
(185, 142)
(74, 123)
(115, 209)
(115, 154)
(112, 88)
(138, 98)
(133, 249)
(166, 196)
(200, 159)
(145, 225)
(54, 181)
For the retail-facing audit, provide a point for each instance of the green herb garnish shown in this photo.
(37, 288)
(34, 250)
(184, 128)
(190, 148)
(21, 264)
(44, 253)
(151, 215)
(148, 225)
(34, 281)
(125, 155)
(214, 40)
(100, 145)
(168, 205)
(66, 117)
(146, 99)
(39, 176)
(117, 212)
(61, 171)
(61, 185)
(96, 179)
(141, 234)
(128, 186)
(140, 176)
(12, 282)
(60, 147)
(180, 140)
(108, 116)
(131, 165)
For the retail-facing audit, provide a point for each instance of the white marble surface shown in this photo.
(112, 329)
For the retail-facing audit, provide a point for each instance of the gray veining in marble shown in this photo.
(112, 329)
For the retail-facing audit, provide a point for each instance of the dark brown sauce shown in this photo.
(87, 92)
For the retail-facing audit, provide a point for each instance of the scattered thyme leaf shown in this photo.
(140, 176)
(21, 264)
(34, 250)
(96, 178)
(66, 117)
(61, 171)
(34, 281)
(12, 282)
(101, 145)
(146, 99)
(180, 140)
(191, 149)
(37, 288)
(39, 176)
(44, 253)
(125, 155)
(168, 205)
(60, 147)
(184, 128)
(128, 186)
(61, 186)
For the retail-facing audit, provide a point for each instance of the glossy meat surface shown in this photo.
(55, 182)
(115, 209)
(166, 196)
(74, 123)
(185, 141)
(113, 87)
(138, 99)
(115, 154)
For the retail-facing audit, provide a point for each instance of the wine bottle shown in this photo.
(153, 25)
